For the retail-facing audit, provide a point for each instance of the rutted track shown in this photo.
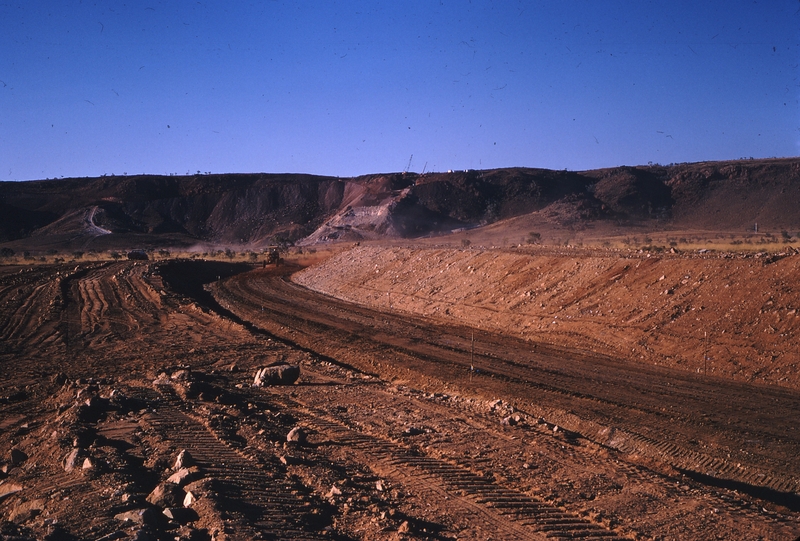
(125, 368)
(515, 514)
(727, 430)
(261, 501)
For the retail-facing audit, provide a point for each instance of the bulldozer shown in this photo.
(273, 256)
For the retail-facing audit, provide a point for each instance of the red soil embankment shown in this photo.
(733, 315)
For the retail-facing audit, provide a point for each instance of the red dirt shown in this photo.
(122, 365)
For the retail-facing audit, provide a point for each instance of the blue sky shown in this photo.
(349, 87)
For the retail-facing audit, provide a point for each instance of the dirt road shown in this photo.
(108, 371)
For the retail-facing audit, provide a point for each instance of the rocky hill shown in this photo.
(255, 210)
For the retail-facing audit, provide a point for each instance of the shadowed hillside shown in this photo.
(261, 209)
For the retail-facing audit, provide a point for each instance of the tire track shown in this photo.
(261, 502)
(516, 514)
(265, 300)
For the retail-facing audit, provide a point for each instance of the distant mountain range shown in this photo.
(256, 210)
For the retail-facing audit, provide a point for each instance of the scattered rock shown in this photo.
(184, 476)
(288, 460)
(25, 511)
(181, 515)
(7, 489)
(297, 435)
(184, 460)
(189, 499)
(162, 379)
(282, 374)
(511, 420)
(166, 495)
(138, 516)
(404, 527)
(413, 431)
(181, 375)
(71, 461)
(333, 492)
(379, 485)
(87, 464)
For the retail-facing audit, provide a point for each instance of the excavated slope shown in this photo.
(734, 316)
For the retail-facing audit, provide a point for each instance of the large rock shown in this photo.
(297, 435)
(166, 495)
(184, 460)
(7, 489)
(71, 461)
(282, 374)
(184, 476)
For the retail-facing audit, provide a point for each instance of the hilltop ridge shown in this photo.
(256, 210)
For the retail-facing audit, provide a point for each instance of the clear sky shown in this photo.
(354, 87)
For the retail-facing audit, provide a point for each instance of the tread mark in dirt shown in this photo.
(260, 503)
(500, 505)
(264, 298)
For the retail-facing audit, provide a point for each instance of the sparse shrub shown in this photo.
(164, 253)
(115, 255)
(534, 237)
(230, 254)
(253, 256)
(673, 243)
(27, 255)
(465, 243)
(77, 255)
(786, 235)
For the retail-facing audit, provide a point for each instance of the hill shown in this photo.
(255, 210)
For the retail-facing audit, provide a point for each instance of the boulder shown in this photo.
(297, 435)
(25, 511)
(189, 499)
(71, 461)
(282, 374)
(184, 476)
(166, 495)
(184, 460)
(7, 489)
